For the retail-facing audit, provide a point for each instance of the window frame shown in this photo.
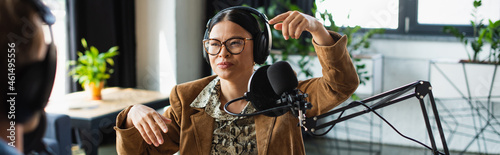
(408, 22)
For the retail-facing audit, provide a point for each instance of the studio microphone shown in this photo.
(282, 77)
(262, 96)
(284, 83)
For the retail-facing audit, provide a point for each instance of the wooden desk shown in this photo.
(93, 120)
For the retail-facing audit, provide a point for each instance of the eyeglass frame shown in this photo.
(224, 44)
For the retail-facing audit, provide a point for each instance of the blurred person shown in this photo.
(28, 67)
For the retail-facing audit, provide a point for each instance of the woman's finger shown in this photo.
(284, 27)
(300, 28)
(150, 133)
(279, 18)
(155, 133)
(293, 26)
(161, 122)
(167, 120)
(143, 134)
(278, 26)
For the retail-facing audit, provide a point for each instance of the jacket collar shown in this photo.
(206, 95)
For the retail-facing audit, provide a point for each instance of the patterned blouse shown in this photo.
(231, 134)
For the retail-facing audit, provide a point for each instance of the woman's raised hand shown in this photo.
(293, 23)
(148, 122)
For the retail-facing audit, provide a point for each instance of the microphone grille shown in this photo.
(282, 77)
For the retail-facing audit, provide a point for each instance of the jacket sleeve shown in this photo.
(130, 141)
(339, 80)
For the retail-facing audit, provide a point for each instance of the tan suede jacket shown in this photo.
(191, 129)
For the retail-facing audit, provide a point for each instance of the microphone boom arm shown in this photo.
(422, 88)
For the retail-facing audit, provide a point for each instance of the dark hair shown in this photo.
(20, 25)
(240, 17)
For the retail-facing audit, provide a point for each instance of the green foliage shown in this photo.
(302, 47)
(481, 32)
(91, 66)
(492, 35)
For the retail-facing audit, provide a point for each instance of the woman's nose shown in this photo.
(224, 52)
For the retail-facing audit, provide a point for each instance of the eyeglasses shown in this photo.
(234, 45)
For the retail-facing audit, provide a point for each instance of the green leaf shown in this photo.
(112, 49)
(94, 51)
(295, 8)
(355, 97)
(110, 61)
(84, 43)
(477, 3)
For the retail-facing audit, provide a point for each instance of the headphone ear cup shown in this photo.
(29, 90)
(262, 50)
(205, 55)
(205, 36)
(35, 85)
(257, 44)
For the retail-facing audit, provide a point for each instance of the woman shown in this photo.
(196, 124)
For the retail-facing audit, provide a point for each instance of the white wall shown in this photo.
(190, 27)
(169, 35)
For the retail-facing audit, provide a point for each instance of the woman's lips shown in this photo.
(224, 65)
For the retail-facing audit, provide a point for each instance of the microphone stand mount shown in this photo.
(421, 89)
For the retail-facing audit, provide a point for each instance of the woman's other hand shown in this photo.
(148, 122)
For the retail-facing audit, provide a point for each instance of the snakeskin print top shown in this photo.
(231, 134)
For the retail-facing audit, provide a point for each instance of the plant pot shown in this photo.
(94, 90)
(463, 79)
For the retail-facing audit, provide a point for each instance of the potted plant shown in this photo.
(475, 76)
(91, 68)
(481, 32)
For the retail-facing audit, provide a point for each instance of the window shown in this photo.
(371, 14)
(409, 16)
(453, 12)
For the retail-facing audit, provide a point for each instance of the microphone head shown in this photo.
(261, 94)
(282, 77)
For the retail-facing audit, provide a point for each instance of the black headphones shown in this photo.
(35, 81)
(262, 41)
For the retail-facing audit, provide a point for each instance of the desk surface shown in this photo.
(114, 99)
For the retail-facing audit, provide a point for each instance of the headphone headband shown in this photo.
(249, 9)
(43, 11)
